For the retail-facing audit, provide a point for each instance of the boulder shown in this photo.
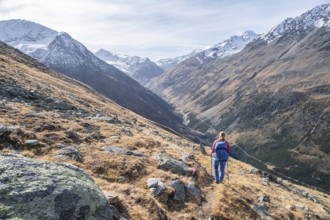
(126, 132)
(152, 182)
(70, 153)
(264, 199)
(73, 136)
(254, 171)
(32, 189)
(187, 157)
(180, 192)
(156, 186)
(31, 143)
(166, 162)
(262, 210)
(327, 210)
(118, 150)
(299, 207)
(58, 104)
(194, 190)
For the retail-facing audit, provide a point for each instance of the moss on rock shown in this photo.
(31, 189)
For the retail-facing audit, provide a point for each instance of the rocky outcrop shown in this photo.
(118, 150)
(166, 162)
(156, 186)
(31, 189)
(180, 192)
(70, 153)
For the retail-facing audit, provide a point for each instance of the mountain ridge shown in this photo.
(225, 48)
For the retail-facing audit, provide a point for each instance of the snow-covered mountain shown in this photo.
(168, 63)
(314, 18)
(60, 52)
(25, 35)
(226, 48)
(140, 69)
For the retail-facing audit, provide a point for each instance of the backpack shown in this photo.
(221, 151)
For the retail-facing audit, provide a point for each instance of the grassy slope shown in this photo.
(230, 201)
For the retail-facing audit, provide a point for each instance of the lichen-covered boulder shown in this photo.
(166, 162)
(32, 189)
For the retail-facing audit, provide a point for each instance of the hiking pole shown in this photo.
(228, 170)
(211, 164)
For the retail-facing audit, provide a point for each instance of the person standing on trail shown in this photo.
(221, 150)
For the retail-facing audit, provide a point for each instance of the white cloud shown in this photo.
(152, 28)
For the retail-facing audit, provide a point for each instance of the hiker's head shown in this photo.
(222, 135)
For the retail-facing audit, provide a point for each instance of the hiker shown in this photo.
(221, 148)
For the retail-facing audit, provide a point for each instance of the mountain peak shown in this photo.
(142, 69)
(317, 17)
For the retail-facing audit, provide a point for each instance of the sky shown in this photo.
(155, 28)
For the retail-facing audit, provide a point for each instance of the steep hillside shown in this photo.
(47, 116)
(60, 52)
(140, 69)
(273, 96)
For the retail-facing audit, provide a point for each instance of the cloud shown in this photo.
(152, 28)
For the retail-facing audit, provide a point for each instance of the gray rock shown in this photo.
(165, 162)
(291, 208)
(194, 190)
(126, 132)
(187, 157)
(60, 146)
(119, 150)
(327, 210)
(299, 207)
(313, 198)
(114, 149)
(261, 210)
(135, 153)
(32, 189)
(264, 199)
(265, 181)
(31, 143)
(59, 104)
(70, 153)
(152, 182)
(3, 129)
(180, 193)
(254, 171)
(110, 120)
(156, 186)
(73, 135)
(121, 179)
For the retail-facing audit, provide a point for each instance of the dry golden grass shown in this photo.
(125, 177)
